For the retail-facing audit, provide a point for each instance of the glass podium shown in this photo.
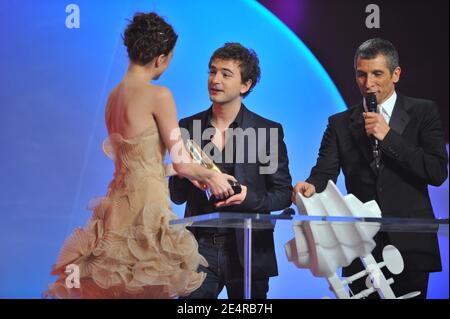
(250, 221)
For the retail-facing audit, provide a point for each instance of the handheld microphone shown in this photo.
(372, 106)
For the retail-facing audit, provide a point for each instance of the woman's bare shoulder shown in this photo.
(159, 92)
(159, 96)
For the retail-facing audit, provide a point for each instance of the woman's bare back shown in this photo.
(129, 110)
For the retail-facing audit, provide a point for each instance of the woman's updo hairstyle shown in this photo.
(148, 36)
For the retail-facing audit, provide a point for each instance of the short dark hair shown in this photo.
(148, 36)
(246, 58)
(373, 47)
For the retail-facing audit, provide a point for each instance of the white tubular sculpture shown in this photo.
(323, 247)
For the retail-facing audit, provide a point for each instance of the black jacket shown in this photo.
(265, 192)
(413, 157)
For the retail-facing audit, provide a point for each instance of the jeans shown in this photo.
(224, 269)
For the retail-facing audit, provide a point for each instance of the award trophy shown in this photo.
(202, 159)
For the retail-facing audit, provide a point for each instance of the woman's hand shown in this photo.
(219, 186)
(199, 185)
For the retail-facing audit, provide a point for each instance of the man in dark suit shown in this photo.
(413, 156)
(237, 140)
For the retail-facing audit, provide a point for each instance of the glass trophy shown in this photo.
(200, 157)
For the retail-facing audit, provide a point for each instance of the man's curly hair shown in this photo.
(148, 36)
(246, 58)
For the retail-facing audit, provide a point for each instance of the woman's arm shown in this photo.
(164, 112)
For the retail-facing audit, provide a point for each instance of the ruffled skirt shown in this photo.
(146, 258)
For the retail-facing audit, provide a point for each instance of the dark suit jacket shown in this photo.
(413, 157)
(265, 192)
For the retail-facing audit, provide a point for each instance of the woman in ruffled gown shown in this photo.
(127, 249)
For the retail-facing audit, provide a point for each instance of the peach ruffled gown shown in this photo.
(128, 249)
